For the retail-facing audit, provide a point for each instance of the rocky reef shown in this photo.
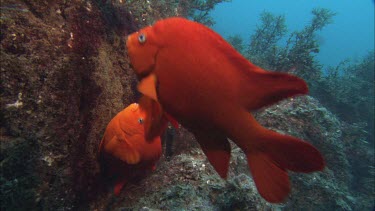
(63, 77)
(186, 181)
(65, 74)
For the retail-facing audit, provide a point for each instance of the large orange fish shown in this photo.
(206, 85)
(124, 153)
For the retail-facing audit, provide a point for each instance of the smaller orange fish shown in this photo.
(124, 152)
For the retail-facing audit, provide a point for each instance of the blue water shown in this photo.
(351, 35)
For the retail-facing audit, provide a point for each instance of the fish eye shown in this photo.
(140, 120)
(142, 38)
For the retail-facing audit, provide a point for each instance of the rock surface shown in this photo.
(63, 77)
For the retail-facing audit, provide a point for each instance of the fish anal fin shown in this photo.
(147, 86)
(217, 149)
(271, 181)
(122, 150)
(266, 88)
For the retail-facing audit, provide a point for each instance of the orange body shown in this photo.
(124, 152)
(206, 85)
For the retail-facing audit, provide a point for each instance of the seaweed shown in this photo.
(237, 42)
(199, 10)
(18, 177)
(348, 90)
(263, 48)
(302, 46)
(298, 54)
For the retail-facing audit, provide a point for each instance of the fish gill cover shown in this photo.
(65, 74)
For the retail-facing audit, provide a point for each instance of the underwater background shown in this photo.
(349, 35)
(65, 74)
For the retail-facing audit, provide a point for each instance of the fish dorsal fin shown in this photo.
(217, 149)
(122, 150)
(147, 86)
(267, 88)
(259, 87)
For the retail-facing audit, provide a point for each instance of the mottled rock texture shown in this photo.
(64, 75)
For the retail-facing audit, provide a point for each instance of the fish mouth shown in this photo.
(148, 71)
(145, 73)
(141, 73)
(128, 133)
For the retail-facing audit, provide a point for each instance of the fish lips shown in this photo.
(144, 74)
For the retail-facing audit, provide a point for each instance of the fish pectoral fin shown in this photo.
(155, 122)
(101, 145)
(122, 150)
(132, 157)
(147, 86)
(217, 149)
(118, 186)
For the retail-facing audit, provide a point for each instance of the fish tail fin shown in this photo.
(263, 88)
(271, 154)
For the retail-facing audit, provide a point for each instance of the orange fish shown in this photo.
(156, 124)
(124, 153)
(206, 85)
